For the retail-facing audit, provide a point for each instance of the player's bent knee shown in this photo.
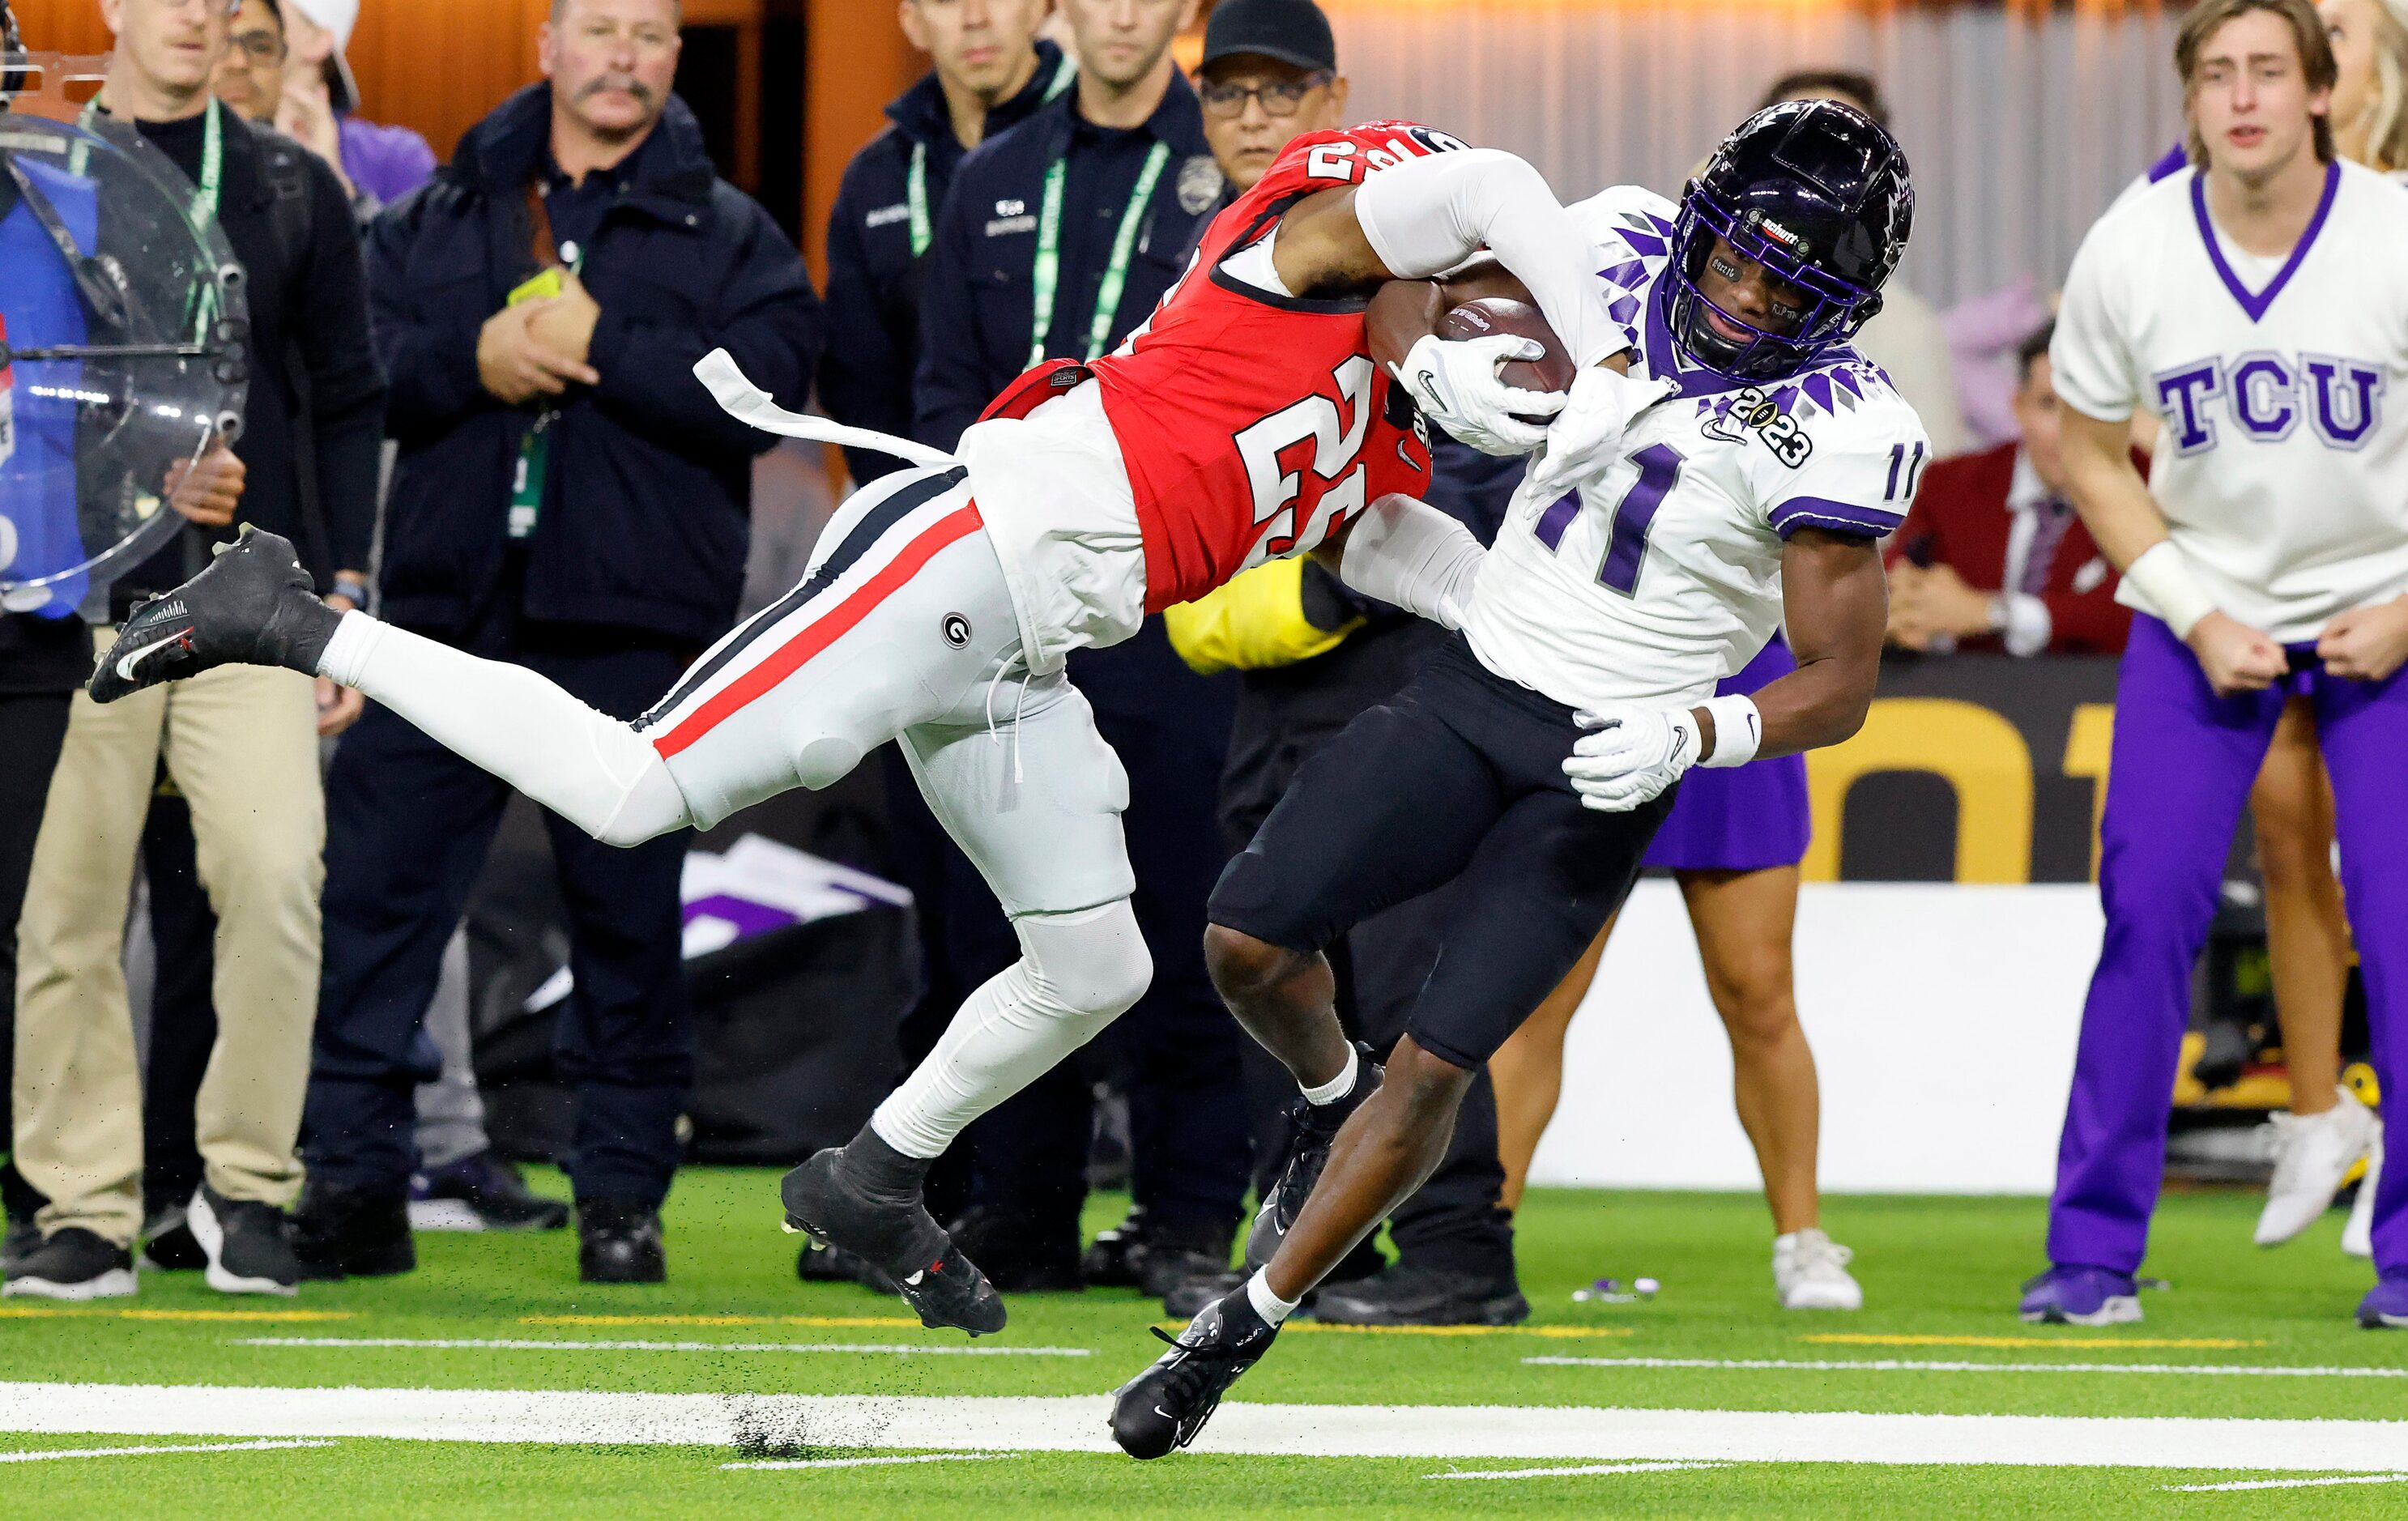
(650, 807)
(1431, 1086)
(1090, 964)
(1240, 965)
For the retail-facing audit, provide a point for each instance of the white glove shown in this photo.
(1632, 756)
(1587, 435)
(1455, 384)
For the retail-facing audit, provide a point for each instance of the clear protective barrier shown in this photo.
(124, 342)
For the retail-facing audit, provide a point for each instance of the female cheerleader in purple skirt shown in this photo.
(1733, 842)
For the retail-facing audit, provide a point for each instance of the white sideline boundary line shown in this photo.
(1077, 1423)
(1570, 1472)
(535, 1344)
(783, 1463)
(2283, 1483)
(52, 1456)
(1900, 1364)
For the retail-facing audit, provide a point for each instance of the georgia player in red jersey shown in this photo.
(1247, 420)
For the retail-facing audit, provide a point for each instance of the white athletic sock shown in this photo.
(355, 635)
(1076, 973)
(1266, 1305)
(1341, 1086)
(516, 725)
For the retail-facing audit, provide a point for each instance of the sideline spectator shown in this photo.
(1905, 338)
(240, 745)
(990, 74)
(570, 497)
(1993, 556)
(1313, 655)
(378, 165)
(1057, 238)
(458, 1162)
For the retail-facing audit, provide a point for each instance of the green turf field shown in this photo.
(734, 1327)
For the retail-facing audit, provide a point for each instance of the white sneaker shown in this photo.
(2313, 1153)
(2357, 1236)
(1810, 1271)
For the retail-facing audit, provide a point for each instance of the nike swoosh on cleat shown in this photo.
(914, 1279)
(125, 666)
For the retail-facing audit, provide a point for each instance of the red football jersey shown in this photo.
(1252, 424)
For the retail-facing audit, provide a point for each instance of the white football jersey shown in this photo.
(1662, 574)
(2277, 469)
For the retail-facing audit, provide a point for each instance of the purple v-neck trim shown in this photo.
(2256, 305)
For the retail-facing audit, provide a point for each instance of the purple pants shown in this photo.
(1741, 818)
(2183, 764)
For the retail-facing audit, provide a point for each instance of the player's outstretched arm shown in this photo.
(1424, 217)
(2115, 506)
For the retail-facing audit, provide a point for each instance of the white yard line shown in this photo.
(2284, 1484)
(461, 1344)
(1076, 1424)
(1899, 1365)
(146, 1452)
(864, 1462)
(1566, 1473)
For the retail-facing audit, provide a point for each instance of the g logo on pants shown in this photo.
(957, 630)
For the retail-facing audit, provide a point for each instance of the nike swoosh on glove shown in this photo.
(1454, 382)
(1631, 756)
(1587, 435)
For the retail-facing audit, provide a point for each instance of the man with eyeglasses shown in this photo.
(1311, 655)
(1057, 239)
(243, 753)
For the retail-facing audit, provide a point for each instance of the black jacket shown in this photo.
(313, 425)
(977, 305)
(873, 295)
(645, 519)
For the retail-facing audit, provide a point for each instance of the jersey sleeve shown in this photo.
(1347, 155)
(1859, 476)
(2090, 357)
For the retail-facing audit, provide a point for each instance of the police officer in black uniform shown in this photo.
(1057, 239)
(991, 72)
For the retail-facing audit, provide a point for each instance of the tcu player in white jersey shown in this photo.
(942, 603)
(1530, 762)
(2254, 304)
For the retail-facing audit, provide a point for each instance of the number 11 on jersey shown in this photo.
(1625, 544)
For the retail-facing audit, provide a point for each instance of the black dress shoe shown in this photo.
(342, 1232)
(1113, 1259)
(1409, 1294)
(619, 1241)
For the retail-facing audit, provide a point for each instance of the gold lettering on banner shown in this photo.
(1975, 751)
(2089, 743)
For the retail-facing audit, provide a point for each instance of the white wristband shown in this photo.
(1739, 730)
(2163, 575)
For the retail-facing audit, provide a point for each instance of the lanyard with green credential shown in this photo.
(1047, 276)
(205, 198)
(915, 184)
(534, 448)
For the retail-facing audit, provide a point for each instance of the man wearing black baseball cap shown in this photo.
(1312, 656)
(1269, 73)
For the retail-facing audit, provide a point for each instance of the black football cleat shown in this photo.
(253, 605)
(1311, 1129)
(1164, 1407)
(895, 1238)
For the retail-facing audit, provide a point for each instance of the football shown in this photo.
(1491, 315)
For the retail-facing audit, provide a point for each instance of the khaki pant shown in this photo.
(241, 744)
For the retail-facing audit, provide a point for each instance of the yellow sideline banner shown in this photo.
(1975, 768)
